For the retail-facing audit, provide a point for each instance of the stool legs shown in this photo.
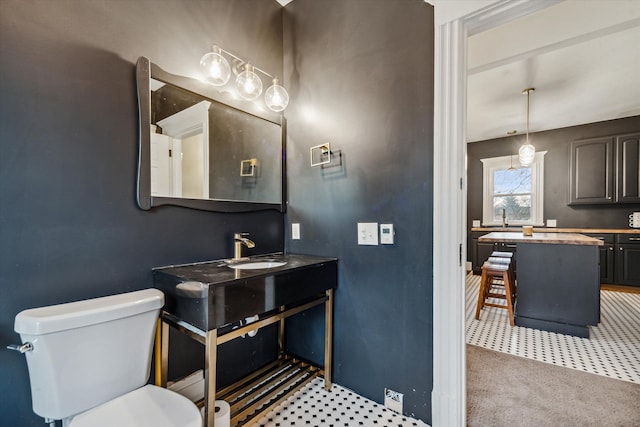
(484, 280)
(489, 271)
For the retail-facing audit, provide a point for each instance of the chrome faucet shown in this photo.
(240, 239)
(504, 218)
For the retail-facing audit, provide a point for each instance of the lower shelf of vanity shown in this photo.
(258, 393)
(261, 391)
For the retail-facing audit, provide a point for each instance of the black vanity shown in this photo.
(207, 300)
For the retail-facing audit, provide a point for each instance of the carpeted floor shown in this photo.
(506, 390)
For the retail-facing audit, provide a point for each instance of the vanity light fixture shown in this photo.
(248, 84)
(216, 67)
(276, 97)
(527, 152)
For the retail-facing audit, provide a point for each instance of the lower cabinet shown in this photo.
(627, 260)
(607, 252)
(619, 256)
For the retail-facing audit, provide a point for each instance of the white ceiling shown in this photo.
(582, 57)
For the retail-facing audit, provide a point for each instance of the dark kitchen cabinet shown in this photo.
(607, 252)
(627, 260)
(605, 170)
(628, 168)
(480, 251)
(591, 171)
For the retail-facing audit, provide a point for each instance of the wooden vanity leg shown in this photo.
(210, 364)
(161, 353)
(328, 339)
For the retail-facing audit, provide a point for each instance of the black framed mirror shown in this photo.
(202, 149)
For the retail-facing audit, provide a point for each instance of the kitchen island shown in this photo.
(558, 280)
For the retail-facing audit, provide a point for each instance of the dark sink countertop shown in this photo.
(211, 294)
(218, 271)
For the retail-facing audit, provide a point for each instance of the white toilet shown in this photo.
(89, 363)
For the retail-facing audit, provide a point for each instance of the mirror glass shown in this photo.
(202, 149)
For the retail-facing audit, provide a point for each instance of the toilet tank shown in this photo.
(88, 352)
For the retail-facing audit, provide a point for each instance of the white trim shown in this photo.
(448, 397)
(183, 124)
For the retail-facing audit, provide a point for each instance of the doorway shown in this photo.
(449, 364)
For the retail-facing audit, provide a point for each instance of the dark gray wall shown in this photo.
(360, 74)
(69, 225)
(556, 174)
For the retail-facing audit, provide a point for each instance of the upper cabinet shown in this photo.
(605, 170)
(591, 171)
(628, 165)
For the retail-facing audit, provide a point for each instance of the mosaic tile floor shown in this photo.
(613, 349)
(314, 406)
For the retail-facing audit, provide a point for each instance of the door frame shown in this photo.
(448, 398)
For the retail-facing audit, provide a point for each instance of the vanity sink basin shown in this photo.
(257, 265)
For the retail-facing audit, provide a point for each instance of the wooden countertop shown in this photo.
(562, 230)
(548, 238)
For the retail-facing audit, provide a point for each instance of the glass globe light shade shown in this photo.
(215, 67)
(526, 154)
(249, 84)
(276, 97)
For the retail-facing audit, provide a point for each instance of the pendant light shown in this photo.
(527, 152)
(216, 67)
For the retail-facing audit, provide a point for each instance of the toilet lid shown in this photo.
(148, 406)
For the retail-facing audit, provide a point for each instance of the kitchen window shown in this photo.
(513, 189)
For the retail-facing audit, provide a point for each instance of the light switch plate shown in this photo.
(295, 231)
(551, 223)
(368, 233)
(386, 234)
(475, 223)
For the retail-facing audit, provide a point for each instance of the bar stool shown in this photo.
(497, 268)
(504, 255)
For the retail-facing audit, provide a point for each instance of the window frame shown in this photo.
(489, 165)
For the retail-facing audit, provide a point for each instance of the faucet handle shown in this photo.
(240, 235)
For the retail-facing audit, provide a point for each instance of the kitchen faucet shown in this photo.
(240, 239)
(504, 218)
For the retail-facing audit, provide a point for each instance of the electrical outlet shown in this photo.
(295, 231)
(393, 400)
(551, 223)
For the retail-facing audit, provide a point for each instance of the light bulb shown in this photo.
(249, 84)
(526, 154)
(276, 97)
(216, 68)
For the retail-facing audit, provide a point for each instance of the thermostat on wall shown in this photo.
(386, 234)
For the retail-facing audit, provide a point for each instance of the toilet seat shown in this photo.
(148, 406)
